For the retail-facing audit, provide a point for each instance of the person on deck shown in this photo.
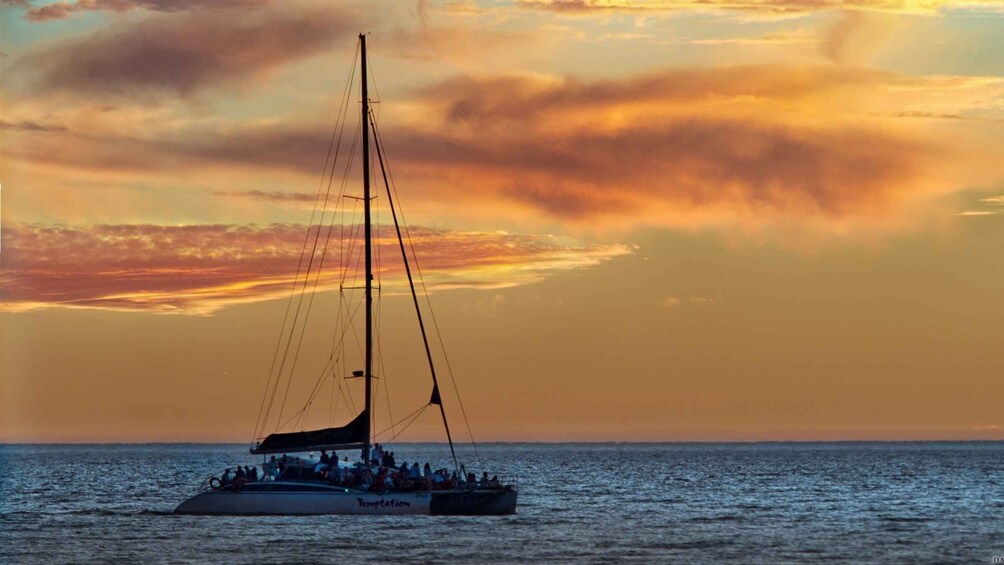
(494, 483)
(365, 480)
(483, 483)
(227, 478)
(380, 483)
(325, 460)
(415, 472)
(334, 476)
(253, 475)
(375, 454)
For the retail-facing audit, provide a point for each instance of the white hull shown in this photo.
(306, 503)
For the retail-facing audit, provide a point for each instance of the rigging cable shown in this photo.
(436, 397)
(271, 402)
(413, 416)
(261, 423)
(432, 313)
(317, 277)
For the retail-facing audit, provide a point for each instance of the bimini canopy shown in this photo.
(351, 435)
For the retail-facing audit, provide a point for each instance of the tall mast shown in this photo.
(368, 236)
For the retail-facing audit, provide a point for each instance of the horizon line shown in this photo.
(535, 442)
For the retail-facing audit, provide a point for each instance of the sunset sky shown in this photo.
(665, 220)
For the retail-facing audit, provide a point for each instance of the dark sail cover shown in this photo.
(351, 435)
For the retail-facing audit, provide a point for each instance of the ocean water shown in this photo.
(579, 503)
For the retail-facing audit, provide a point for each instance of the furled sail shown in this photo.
(352, 435)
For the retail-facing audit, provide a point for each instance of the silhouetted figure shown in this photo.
(239, 474)
(334, 474)
(325, 460)
(227, 478)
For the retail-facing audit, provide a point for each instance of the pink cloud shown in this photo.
(200, 268)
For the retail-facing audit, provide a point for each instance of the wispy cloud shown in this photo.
(583, 7)
(676, 302)
(201, 268)
(63, 10)
(31, 125)
(274, 196)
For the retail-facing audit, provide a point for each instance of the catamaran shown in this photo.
(299, 483)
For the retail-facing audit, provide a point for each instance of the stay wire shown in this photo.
(425, 291)
(317, 278)
(261, 423)
(310, 263)
(413, 416)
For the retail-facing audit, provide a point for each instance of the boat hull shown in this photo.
(305, 503)
(473, 503)
(442, 503)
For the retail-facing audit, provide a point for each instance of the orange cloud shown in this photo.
(198, 269)
(687, 164)
(750, 144)
(690, 146)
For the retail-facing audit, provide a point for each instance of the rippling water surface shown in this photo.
(609, 503)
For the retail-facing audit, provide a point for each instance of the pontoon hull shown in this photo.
(474, 503)
(468, 503)
(305, 503)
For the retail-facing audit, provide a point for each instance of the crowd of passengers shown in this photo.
(388, 477)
